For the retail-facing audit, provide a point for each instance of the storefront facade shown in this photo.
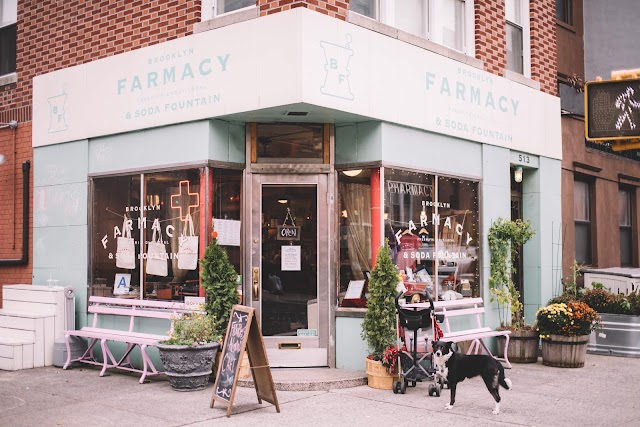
(306, 153)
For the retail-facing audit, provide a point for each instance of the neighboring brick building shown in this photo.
(601, 203)
(363, 118)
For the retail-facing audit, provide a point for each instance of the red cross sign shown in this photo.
(186, 200)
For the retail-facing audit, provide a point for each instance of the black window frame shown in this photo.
(564, 11)
(8, 49)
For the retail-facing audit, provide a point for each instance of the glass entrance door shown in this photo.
(288, 227)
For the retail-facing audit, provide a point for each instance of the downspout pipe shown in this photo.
(26, 167)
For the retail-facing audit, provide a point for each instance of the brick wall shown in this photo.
(11, 185)
(490, 35)
(544, 64)
(334, 8)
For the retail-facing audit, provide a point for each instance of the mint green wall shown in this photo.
(183, 144)
(351, 349)
(60, 219)
(542, 205)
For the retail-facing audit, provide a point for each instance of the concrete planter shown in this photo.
(618, 335)
(188, 367)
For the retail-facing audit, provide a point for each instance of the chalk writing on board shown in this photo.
(231, 354)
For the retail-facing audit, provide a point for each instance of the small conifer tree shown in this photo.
(219, 284)
(379, 326)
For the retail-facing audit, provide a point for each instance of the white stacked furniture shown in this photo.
(619, 280)
(31, 319)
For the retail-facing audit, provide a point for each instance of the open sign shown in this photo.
(288, 232)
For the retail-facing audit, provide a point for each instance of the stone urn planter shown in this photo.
(523, 346)
(564, 352)
(188, 368)
(378, 377)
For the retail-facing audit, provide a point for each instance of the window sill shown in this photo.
(350, 312)
(566, 26)
(519, 78)
(387, 30)
(227, 19)
(8, 79)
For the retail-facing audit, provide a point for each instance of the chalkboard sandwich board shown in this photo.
(243, 333)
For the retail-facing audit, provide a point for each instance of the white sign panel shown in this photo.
(290, 258)
(310, 59)
(228, 231)
(122, 284)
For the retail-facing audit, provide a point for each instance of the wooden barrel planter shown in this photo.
(378, 377)
(523, 346)
(564, 352)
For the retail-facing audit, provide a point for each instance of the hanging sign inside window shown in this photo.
(228, 231)
(290, 258)
(288, 232)
(122, 284)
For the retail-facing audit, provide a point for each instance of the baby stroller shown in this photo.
(415, 366)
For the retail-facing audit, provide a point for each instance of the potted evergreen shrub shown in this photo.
(189, 352)
(505, 238)
(379, 326)
(218, 279)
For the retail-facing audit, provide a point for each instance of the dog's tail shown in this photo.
(504, 382)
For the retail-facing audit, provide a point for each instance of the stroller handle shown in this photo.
(426, 293)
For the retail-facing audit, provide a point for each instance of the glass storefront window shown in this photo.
(354, 188)
(432, 226)
(147, 231)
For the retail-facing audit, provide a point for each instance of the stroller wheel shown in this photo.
(437, 389)
(403, 387)
(396, 387)
(432, 389)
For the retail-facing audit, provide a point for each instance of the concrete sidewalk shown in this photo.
(603, 393)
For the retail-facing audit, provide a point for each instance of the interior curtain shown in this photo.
(356, 201)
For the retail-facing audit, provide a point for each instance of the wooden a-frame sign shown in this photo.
(243, 332)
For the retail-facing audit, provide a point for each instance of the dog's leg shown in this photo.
(452, 388)
(494, 389)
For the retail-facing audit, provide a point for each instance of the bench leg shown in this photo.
(106, 356)
(506, 347)
(145, 360)
(66, 340)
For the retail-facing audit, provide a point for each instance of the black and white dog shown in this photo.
(455, 367)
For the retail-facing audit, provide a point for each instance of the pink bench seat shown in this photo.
(134, 309)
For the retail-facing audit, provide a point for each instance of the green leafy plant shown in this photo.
(219, 284)
(193, 329)
(379, 326)
(603, 301)
(571, 319)
(505, 238)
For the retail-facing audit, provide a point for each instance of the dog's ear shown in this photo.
(449, 346)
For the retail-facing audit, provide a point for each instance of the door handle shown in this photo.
(256, 282)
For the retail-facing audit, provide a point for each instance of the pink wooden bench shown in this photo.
(470, 307)
(134, 309)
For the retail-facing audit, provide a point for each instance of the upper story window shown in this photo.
(564, 9)
(8, 18)
(517, 29)
(582, 220)
(213, 8)
(441, 21)
(225, 6)
(626, 230)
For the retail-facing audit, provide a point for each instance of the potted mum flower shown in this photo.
(565, 329)
(189, 352)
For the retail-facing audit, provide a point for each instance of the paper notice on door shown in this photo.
(290, 258)
(228, 231)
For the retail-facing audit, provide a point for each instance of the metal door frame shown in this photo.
(253, 252)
